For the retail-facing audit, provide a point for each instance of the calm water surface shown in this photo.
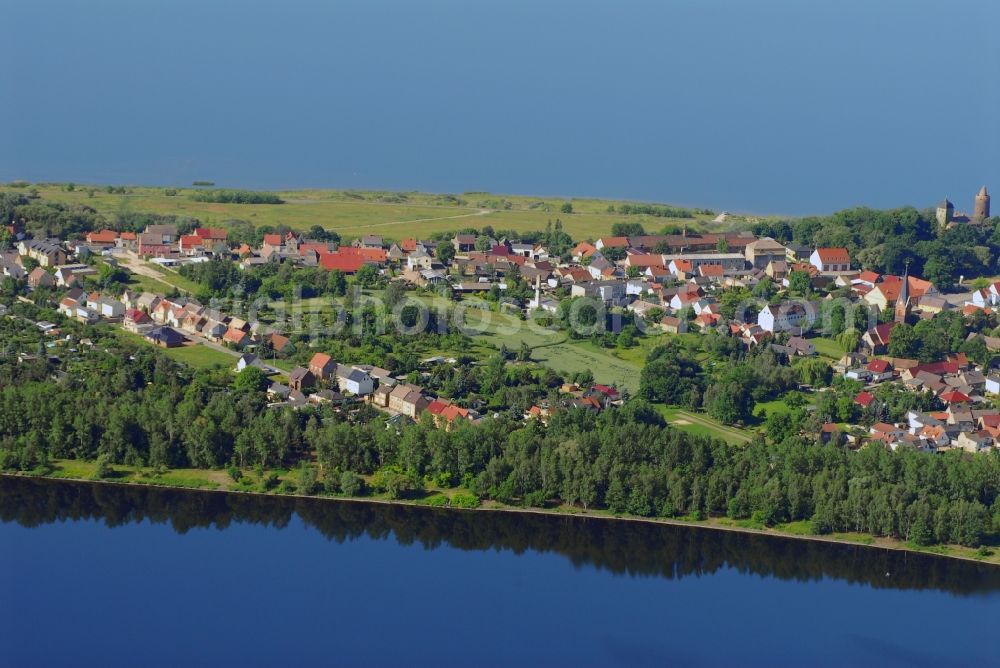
(773, 106)
(105, 576)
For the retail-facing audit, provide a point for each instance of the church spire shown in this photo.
(903, 301)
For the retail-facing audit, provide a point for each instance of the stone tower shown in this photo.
(945, 211)
(903, 301)
(981, 211)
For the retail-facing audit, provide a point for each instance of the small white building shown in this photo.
(831, 259)
(354, 380)
(785, 317)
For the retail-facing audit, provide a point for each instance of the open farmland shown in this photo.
(392, 215)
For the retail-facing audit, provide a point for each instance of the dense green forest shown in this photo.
(118, 403)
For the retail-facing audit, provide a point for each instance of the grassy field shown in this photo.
(555, 349)
(765, 409)
(200, 356)
(827, 348)
(393, 215)
(702, 425)
(142, 283)
(195, 355)
(173, 278)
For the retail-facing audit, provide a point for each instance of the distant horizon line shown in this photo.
(564, 198)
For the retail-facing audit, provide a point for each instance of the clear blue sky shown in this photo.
(769, 106)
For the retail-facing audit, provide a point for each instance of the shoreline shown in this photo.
(877, 543)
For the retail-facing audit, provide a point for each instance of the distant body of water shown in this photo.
(773, 106)
(98, 575)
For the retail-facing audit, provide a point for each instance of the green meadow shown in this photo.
(392, 215)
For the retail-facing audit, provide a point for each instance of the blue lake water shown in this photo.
(773, 106)
(106, 576)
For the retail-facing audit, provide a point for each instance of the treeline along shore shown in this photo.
(622, 547)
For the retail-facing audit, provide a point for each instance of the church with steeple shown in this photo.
(903, 305)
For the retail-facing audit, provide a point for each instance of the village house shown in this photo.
(280, 344)
(672, 325)
(379, 396)
(68, 275)
(236, 338)
(829, 260)
(106, 307)
(464, 243)
(978, 441)
(786, 317)
(104, 238)
(136, 321)
(353, 380)
(690, 263)
(418, 259)
(610, 292)
(408, 400)
(301, 378)
(322, 366)
(248, 360)
(801, 346)
(47, 253)
(762, 252)
(39, 278)
(880, 370)
(165, 337)
(151, 244)
(876, 339)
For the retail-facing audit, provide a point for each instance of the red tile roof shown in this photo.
(437, 406)
(879, 366)
(643, 260)
(213, 233)
(864, 399)
(614, 242)
(369, 254)
(320, 360)
(884, 427)
(191, 241)
(954, 397)
(102, 237)
(869, 276)
(347, 264)
(834, 255)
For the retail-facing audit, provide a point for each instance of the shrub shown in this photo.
(465, 500)
(436, 500)
(351, 484)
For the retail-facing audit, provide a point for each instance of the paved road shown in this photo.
(135, 264)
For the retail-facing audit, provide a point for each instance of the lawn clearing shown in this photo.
(827, 348)
(703, 425)
(201, 356)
